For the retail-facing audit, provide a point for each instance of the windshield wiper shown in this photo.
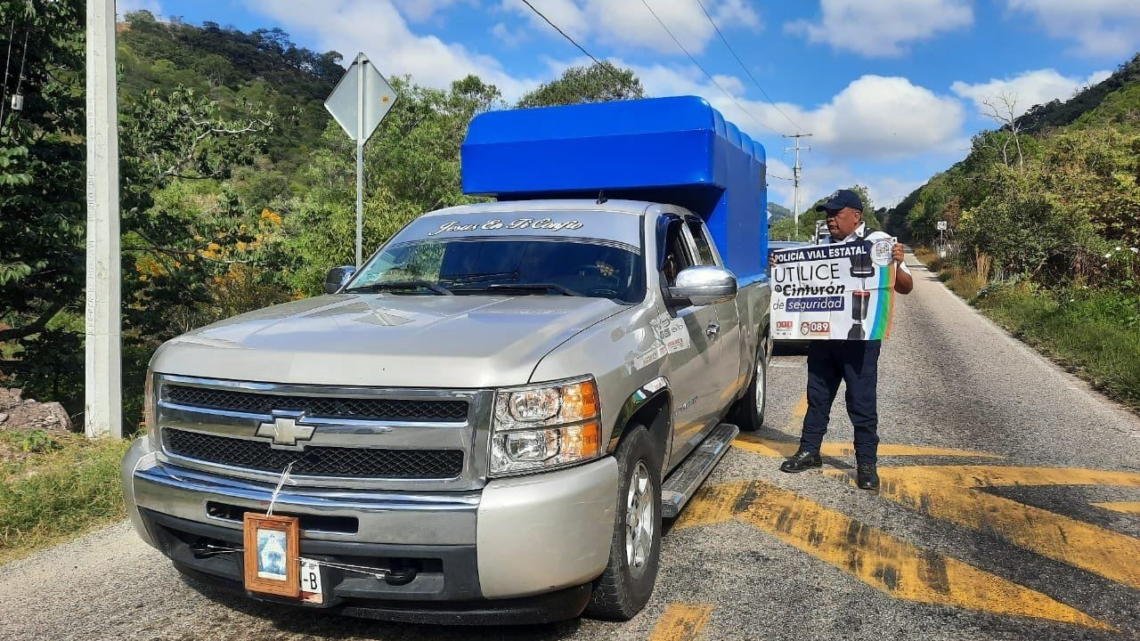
(402, 284)
(522, 287)
(471, 278)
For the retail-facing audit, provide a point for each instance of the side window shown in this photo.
(705, 250)
(676, 256)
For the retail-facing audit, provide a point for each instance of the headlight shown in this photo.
(545, 426)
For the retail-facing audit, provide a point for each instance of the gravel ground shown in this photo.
(950, 379)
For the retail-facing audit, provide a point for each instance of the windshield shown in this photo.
(512, 265)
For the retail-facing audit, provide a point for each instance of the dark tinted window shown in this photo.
(703, 249)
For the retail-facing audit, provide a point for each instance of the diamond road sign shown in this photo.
(348, 101)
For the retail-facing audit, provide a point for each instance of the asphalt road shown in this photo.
(1010, 509)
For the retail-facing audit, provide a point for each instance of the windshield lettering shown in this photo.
(543, 224)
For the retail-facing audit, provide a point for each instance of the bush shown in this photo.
(55, 486)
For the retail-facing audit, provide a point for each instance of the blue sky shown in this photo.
(892, 90)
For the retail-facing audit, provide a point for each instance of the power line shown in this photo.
(745, 67)
(608, 67)
(709, 75)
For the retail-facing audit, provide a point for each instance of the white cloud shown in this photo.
(509, 37)
(879, 117)
(627, 23)
(377, 28)
(567, 14)
(1101, 28)
(123, 7)
(1028, 89)
(424, 10)
(874, 117)
(1097, 77)
(878, 28)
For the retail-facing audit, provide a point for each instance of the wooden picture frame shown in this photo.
(272, 554)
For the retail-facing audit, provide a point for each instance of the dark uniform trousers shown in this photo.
(856, 363)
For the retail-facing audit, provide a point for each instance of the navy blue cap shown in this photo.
(841, 199)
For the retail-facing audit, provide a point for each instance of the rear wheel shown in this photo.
(635, 548)
(749, 411)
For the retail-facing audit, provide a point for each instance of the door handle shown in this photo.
(712, 330)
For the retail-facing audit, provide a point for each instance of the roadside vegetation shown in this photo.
(55, 486)
(1095, 334)
(1042, 228)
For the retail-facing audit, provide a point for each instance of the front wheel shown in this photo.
(635, 548)
(749, 411)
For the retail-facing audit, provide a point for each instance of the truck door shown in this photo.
(690, 357)
(728, 339)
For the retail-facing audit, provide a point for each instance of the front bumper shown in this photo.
(516, 538)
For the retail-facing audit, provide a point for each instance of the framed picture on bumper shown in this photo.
(272, 551)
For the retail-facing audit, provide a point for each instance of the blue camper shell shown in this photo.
(679, 151)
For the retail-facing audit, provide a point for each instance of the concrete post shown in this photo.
(103, 407)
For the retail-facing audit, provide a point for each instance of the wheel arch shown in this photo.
(652, 406)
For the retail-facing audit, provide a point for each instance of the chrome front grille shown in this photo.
(340, 462)
(375, 409)
(366, 438)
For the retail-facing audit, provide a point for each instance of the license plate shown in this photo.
(311, 582)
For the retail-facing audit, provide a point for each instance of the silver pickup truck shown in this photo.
(485, 423)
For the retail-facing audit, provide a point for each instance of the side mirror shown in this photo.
(703, 285)
(338, 277)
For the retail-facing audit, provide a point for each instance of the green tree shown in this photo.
(602, 82)
(42, 209)
(411, 166)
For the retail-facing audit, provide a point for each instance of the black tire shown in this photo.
(621, 592)
(748, 413)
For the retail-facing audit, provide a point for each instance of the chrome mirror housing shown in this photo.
(704, 285)
(338, 277)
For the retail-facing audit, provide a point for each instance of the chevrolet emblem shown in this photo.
(286, 430)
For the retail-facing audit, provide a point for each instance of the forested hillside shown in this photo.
(1043, 224)
(1045, 202)
(238, 189)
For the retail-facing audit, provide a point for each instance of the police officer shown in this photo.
(854, 361)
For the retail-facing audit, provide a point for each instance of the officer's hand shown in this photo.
(897, 253)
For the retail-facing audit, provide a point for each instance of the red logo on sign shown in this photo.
(784, 324)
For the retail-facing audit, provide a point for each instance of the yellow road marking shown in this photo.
(781, 449)
(681, 622)
(795, 423)
(871, 555)
(951, 494)
(1126, 507)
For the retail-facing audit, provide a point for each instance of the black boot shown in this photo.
(801, 461)
(867, 476)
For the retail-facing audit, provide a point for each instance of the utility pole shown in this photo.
(796, 170)
(103, 411)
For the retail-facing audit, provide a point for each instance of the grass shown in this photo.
(1095, 334)
(54, 487)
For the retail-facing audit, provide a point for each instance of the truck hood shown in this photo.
(386, 340)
